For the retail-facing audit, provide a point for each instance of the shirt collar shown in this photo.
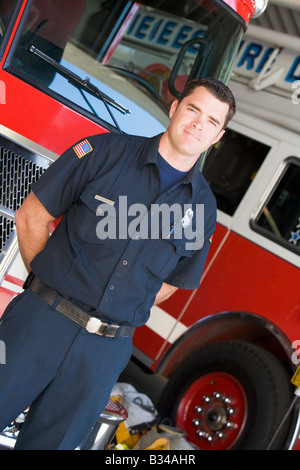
(149, 155)
(149, 152)
(194, 178)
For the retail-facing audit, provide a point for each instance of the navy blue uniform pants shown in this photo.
(61, 371)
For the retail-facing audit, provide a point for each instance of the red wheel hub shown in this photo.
(213, 411)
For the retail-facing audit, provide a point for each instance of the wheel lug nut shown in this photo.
(196, 422)
(205, 435)
(206, 399)
(198, 409)
(228, 400)
(221, 435)
(230, 425)
(231, 411)
(218, 396)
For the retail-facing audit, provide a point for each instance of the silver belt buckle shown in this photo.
(93, 325)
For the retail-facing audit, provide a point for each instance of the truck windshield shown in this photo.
(140, 54)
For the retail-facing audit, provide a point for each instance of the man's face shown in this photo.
(196, 123)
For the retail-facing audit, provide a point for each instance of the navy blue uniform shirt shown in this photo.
(111, 184)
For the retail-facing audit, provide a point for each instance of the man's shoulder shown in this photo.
(117, 146)
(204, 190)
(109, 138)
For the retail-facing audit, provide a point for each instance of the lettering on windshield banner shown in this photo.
(253, 57)
(156, 31)
(164, 32)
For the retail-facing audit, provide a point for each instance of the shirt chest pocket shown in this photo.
(94, 218)
(165, 255)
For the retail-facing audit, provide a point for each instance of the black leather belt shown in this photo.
(91, 324)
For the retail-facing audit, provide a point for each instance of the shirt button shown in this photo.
(124, 262)
(111, 287)
(99, 210)
(138, 237)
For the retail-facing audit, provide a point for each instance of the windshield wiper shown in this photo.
(83, 84)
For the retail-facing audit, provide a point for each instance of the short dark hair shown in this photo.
(217, 89)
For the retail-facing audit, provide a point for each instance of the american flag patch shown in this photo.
(82, 148)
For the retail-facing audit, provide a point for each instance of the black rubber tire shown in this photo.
(265, 381)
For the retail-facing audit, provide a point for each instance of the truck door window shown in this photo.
(279, 218)
(127, 49)
(231, 166)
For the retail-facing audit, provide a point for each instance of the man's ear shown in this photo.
(173, 108)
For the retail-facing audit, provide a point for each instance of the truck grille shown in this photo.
(6, 228)
(19, 168)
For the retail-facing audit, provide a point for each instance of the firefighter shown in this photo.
(68, 336)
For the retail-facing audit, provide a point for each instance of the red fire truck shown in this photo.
(74, 68)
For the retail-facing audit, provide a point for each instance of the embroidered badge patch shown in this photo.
(83, 148)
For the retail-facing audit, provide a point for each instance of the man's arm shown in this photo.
(32, 220)
(164, 293)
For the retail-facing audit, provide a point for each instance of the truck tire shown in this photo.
(229, 395)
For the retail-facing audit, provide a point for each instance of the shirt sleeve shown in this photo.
(62, 183)
(188, 271)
